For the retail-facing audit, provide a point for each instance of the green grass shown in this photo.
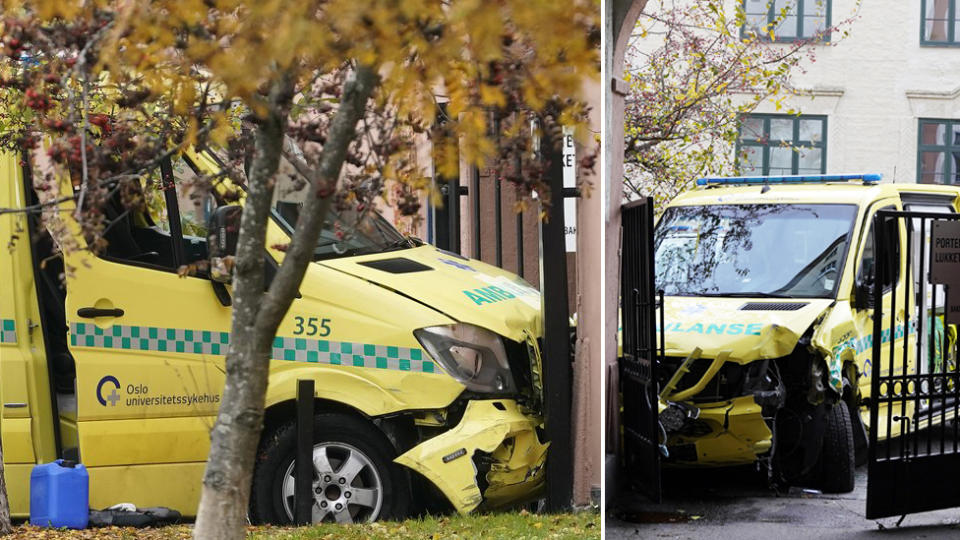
(522, 525)
(508, 526)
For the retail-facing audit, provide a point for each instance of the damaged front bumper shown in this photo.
(728, 433)
(492, 457)
(712, 428)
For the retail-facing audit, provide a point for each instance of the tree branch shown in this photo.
(323, 180)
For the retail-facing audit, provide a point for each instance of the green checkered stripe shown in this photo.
(321, 351)
(149, 338)
(344, 353)
(8, 331)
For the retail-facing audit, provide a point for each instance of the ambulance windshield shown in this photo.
(753, 250)
(345, 233)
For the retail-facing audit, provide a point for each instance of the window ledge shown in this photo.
(822, 91)
(934, 94)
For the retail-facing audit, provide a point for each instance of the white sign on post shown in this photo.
(569, 181)
(945, 264)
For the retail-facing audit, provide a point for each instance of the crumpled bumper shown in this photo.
(731, 433)
(496, 431)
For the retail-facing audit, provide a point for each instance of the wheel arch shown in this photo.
(397, 429)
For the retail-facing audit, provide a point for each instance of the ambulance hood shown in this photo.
(466, 290)
(748, 329)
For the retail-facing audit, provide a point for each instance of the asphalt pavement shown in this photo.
(736, 504)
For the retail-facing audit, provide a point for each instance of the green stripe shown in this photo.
(322, 351)
(8, 331)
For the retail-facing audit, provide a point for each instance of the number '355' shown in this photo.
(311, 327)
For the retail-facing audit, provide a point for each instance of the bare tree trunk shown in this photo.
(5, 526)
(257, 315)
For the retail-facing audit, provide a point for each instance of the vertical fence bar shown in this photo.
(894, 273)
(663, 330)
(877, 306)
(557, 366)
(518, 164)
(497, 212)
(907, 287)
(520, 244)
(951, 379)
(943, 382)
(921, 315)
(303, 486)
(475, 187)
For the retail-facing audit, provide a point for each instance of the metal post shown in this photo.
(303, 487)
(447, 216)
(475, 186)
(497, 212)
(557, 372)
(519, 171)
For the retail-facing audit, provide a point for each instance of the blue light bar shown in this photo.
(793, 179)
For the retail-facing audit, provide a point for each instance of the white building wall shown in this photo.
(874, 86)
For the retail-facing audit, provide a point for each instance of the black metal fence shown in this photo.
(640, 309)
(914, 452)
(490, 202)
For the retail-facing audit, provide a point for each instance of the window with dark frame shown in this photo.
(773, 144)
(792, 20)
(938, 152)
(149, 237)
(939, 20)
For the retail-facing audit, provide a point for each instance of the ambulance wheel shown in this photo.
(354, 477)
(838, 452)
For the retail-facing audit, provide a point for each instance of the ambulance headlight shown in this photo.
(472, 355)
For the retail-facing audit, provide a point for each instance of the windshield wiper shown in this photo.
(400, 243)
(747, 295)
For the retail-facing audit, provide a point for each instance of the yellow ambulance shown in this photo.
(426, 364)
(768, 308)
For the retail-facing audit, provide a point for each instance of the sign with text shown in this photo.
(569, 181)
(945, 264)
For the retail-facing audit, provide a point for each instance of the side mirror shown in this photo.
(223, 230)
(863, 294)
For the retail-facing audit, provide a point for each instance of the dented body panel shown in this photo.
(497, 428)
(831, 336)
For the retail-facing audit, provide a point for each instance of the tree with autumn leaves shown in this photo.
(695, 67)
(104, 90)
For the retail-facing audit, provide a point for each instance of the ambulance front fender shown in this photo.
(337, 385)
(496, 428)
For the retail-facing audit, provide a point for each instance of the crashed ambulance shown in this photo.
(768, 320)
(426, 364)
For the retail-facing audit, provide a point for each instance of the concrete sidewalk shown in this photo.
(735, 504)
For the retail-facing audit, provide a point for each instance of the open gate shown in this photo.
(638, 363)
(914, 456)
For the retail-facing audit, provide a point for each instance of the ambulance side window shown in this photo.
(195, 204)
(143, 235)
(136, 229)
(865, 272)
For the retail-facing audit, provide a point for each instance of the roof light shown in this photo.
(867, 179)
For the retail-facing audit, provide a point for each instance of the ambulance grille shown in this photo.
(773, 306)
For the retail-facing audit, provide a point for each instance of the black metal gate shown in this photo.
(914, 456)
(638, 363)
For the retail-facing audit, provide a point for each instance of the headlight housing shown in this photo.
(472, 355)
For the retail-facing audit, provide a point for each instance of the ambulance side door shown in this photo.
(896, 300)
(148, 343)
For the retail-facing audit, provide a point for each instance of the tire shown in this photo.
(860, 436)
(838, 453)
(374, 488)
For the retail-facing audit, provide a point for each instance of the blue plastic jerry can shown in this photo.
(59, 494)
